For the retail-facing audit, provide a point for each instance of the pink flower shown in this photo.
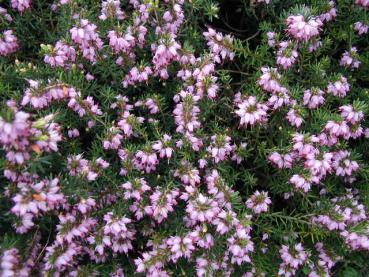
(326, 262)
(313, 98)
(61, 257)
(342, 165)
(121, 43)
(339, 88)
(186, 114)
(111, 9)
(315, 45)
(240, 245)
(269, 80)
(279, 99)
(135, 189)
(61, 55)
(361, 28)
(8, 43)
(349, 59)
(294, 118)
(259, 202)
(219, 45)
(113, 138)
(118, 233)
(9, 262)
(202, 209)
(220, 148)
(330, 14)
(319, 167)
(73, 133)
(337, 129)
(287, 54)
(271, 38)
(4, 13)
(165, 54)
(137, 75)
(349, 114)
(251, 112)
(363, 3)
(281, 161)
(87, 38)
(187, 174)
(21, 5)
(301, 29)
(180, 247)
(300, 182)
(163, 147)
(146, 161)
(292, 259)
(162, 203)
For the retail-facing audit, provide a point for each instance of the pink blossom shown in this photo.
(259, 202)
(269, 80)
(202, 209)
(292, 259)
(111, 9)
(135, 189)
(281, 161)
(118, 233)
(21, 5)
(9, 262)
(342, 165)
(287, 54)
(361, 28)
(363, 3)
(4, 13)
(294, 118)
(8, 43)
(180, 247)
(301, 29)
(339, 88)
(240, 245)
(350, 60)
(300, 182)
(313, 98)
(349, 114)
(251, 111)
(163, 147)
(220, 148)
(186, 114)
(146, 161)
(271, 38)
(162, 203)
(220, 45)
(61, 55)
(329, 15)
(73, 133)
(86, 37)
(137, 75)
(279, 99)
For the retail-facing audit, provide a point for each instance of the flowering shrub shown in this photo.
(184, 138)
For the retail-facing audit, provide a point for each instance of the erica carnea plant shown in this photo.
(184, 138)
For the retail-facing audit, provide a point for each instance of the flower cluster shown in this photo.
(8, 43)
(348, 217)
(84, 168)
(21, 5)
(349, 59)
(292, 258)
(169, 138)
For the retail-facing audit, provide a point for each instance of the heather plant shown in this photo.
(184, 138)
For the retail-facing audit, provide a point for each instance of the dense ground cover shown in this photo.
(184, 138)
